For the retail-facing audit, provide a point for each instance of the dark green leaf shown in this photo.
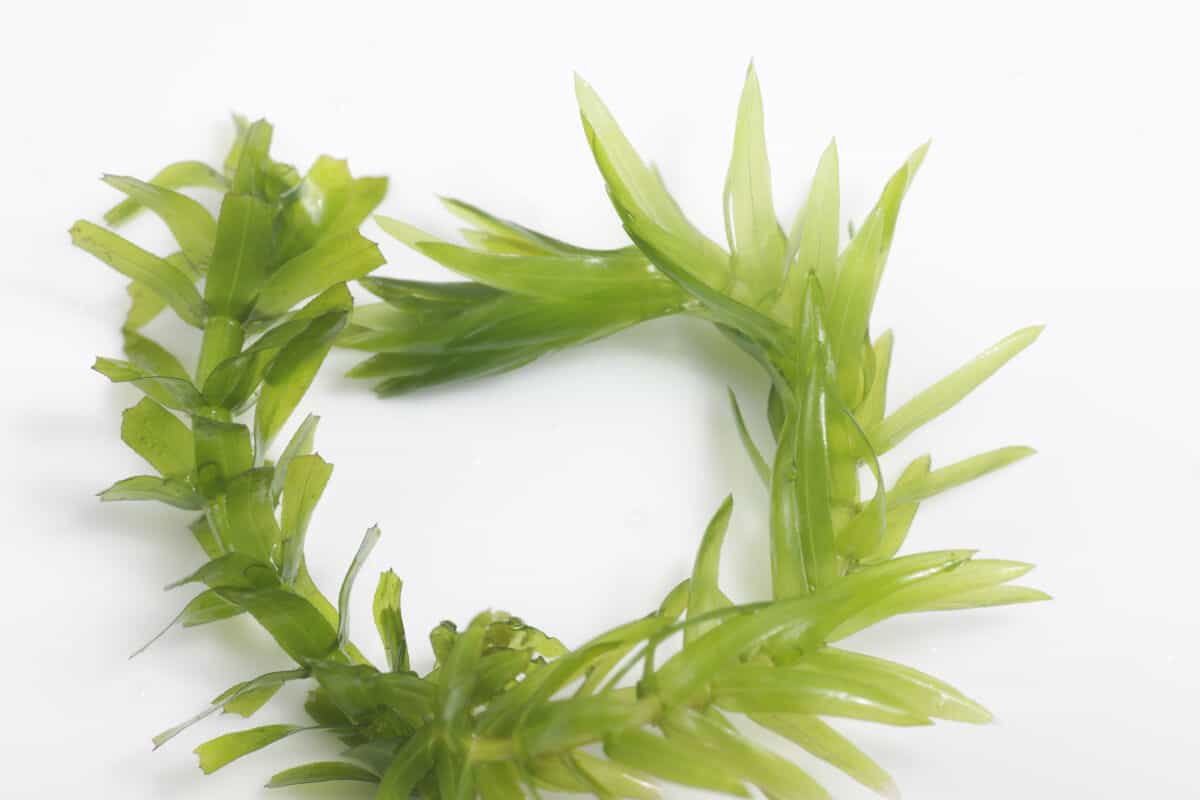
(390, 621)
(241, 255)
(158, 436)
(293, 622)
(250, 516)
(233, 570)
(223, 340)
(164, 279)
(292, 372)
(150, 487)
(409, 766)
(222, 452)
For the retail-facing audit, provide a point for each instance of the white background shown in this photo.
(1061, 188)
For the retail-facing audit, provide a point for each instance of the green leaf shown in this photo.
(756, 242)
(298, 627)
(232, 694)
(671, 761)
(776, 776)
(410, 765)
(152, 357)
(337, 259)
(815, 736)
(401, 293)
(946, 478)
(756, 458)
(498, 781)
(795, 624)
(636, 190)
(705, 592)
(222, 452)
(497, 671)
(202, 609)
(576, 721)
(157, 275)
(251, 527)
(291, 373)
(206, 607)
(235, 379)
(803, 556)
(218, 752)
(248, 705)
(321, 772)
(899, 515)
(253, 162)
(151, 487)
(812, 246)
(859, 271)
(458, 676)
(390, 621)
(158, 436)
(617, 780)
(307, 476)
(241, 255)
(300, 444)
(751, 688)
(920, 693)
(947, 392)
(370, 539)
(871, 410)
(180, 175)
(546, 276)
(327, 201)
(959, 587)
(144, 306)
(232, 570)
(190, 223)
(986, 597)
(223, 340)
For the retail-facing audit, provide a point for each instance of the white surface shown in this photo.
(1061, 188)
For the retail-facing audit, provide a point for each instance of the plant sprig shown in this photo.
(507, 711)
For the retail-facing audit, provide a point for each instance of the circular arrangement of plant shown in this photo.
(508, 711)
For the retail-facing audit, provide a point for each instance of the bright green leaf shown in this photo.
(947, 392)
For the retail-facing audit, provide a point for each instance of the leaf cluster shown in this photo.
(507, 711)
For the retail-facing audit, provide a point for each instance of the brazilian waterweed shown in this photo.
(508, 711)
